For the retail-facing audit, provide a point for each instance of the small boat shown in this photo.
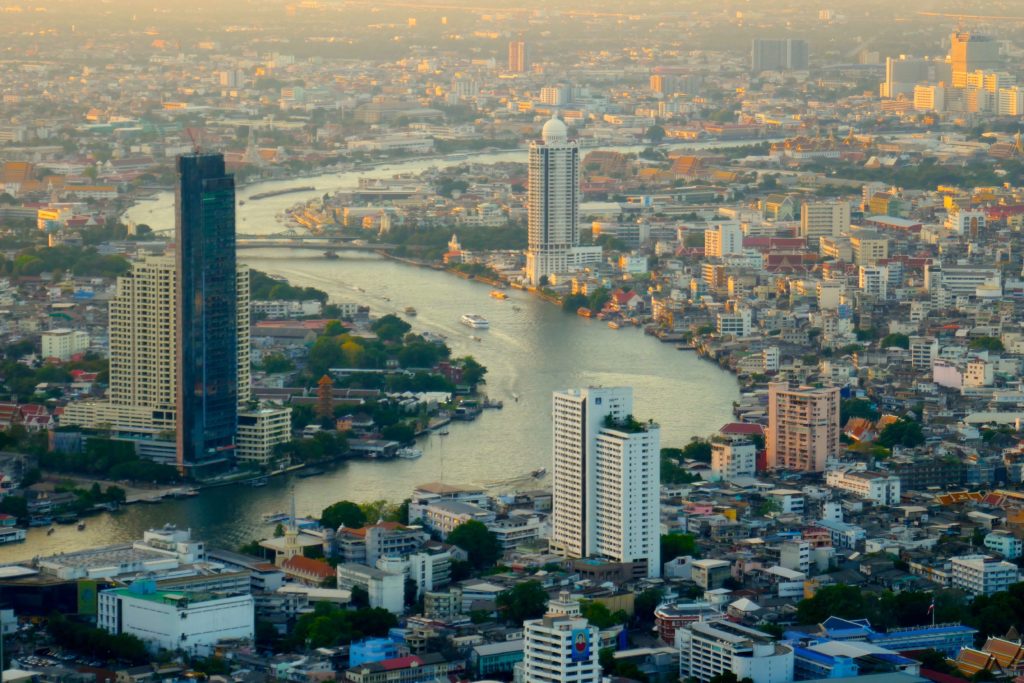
(516, 308)
(515, 397)
(614, 325)
(256, 483)
(475, 338)
(410, 311)
(498, 294)
(444, 431)
(50, 531)
(409, 453)
(275, 517)
(539, 472)
(81, 526)
(331, 255)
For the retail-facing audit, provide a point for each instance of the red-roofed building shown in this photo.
(741, 429)
(308, 571)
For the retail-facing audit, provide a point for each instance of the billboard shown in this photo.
(580, 645)
(87, 598)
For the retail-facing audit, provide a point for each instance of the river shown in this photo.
(531, 349)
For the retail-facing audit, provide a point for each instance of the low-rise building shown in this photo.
(981, 574)
(193, 622)
(707, 650)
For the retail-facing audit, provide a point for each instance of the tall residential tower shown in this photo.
(606, 479)
(553, 207)
(207, 310)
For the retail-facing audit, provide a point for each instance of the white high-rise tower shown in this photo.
(553, 206)
(606, 479)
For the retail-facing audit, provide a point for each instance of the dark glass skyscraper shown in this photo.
(207, 303)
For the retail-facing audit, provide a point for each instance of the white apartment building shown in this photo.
(385, 589)
(733, 459)
(874, 486)
(606, 479)
(708, 649)
(280, 308)
(823, 219)
(64, 343)
(982, 575)
(923, 351)
(803, 427)
(874, 281)
(962, 280)
(559, 648)
(553, 203)
(966, 222)
(795, 555)
(930, 98)
(259, 431)
(1010, 101)
(172, 621)
(724, 239)
(1004, 543)
(738, 323)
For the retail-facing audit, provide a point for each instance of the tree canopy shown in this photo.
(343, 512)
(478, 541)
(527, 600)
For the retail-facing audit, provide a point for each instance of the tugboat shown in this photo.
(539, 472)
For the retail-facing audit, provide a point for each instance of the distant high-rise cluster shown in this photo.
(970, 80)
(784, 54)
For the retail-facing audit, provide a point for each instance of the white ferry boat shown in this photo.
(475, 321)
(11, 534)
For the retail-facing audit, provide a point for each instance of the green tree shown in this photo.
(527, 600)
(343, 512)
(478, 541)
(837, 600)
(903, 432)
(857, 407)
(677, 545)
(896, 339)
(645, 603)
(472, 371)
(993, 344)
(599, 615)
(390, 328)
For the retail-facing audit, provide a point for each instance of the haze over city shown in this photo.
(555, 342)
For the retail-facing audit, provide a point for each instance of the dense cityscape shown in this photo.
(395, 342)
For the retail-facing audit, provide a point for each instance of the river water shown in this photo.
(531, 349)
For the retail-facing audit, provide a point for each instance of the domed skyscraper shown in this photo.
(553, 206)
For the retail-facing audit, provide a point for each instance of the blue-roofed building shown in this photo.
(946, 638)
(810, 665)
(372, 650)
(835, 628)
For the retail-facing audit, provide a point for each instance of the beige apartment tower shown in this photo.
(803, 427)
